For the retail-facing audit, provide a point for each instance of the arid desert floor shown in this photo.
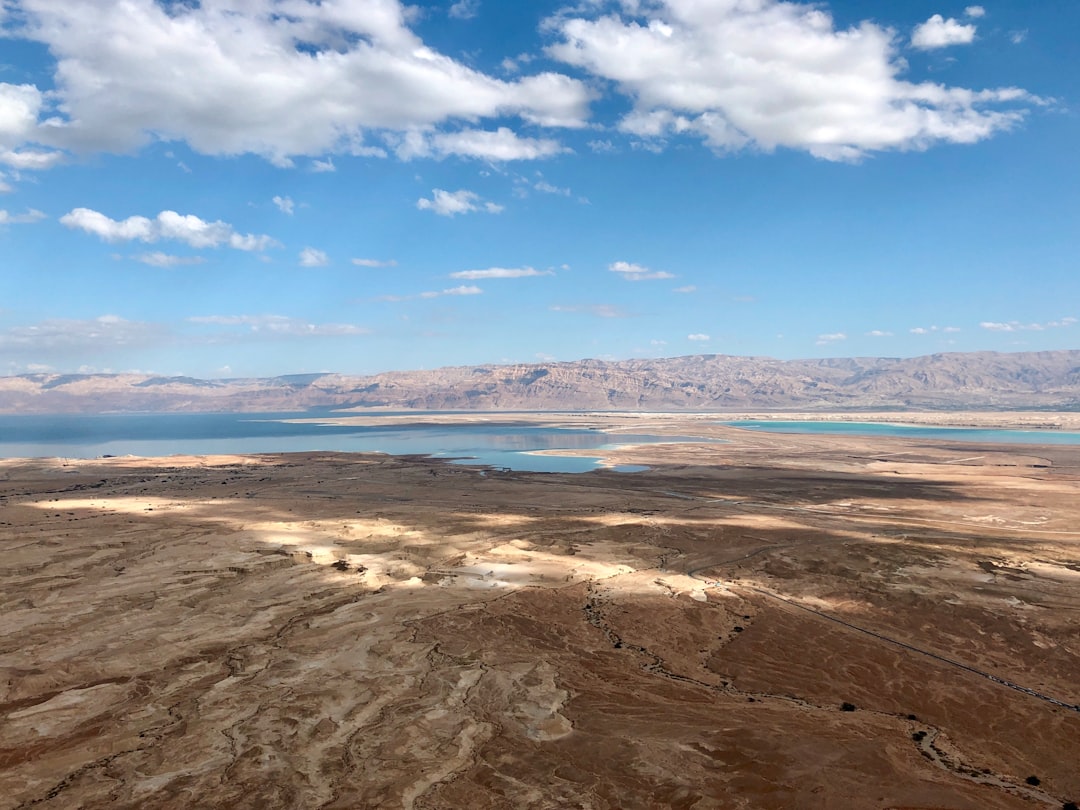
(777, 621)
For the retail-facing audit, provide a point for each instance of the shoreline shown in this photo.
(354, 598)
(1004, 420)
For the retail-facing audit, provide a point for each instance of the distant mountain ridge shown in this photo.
(949, 381)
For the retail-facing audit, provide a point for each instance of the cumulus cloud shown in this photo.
(187, 228)
(159, 259)
(29, 158)
(769, 74)
(30, 215)
(355, 70)
(974, 12)
(938, 32)
(834, 337)
(451, 203)
(20, 107)
(374, 263)
(310, 257)
(501, 272)
(502, 144)
(281, 325)
(637, 272)
(284, 204)
(878, 333)
(699, 338)
(1017, 326)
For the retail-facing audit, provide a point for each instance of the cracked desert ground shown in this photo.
(354, 631)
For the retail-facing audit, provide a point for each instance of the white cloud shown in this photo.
(1017, 37)
(547, 188)
(768, 74)
(188, 228)
(689, 288)
(512, 64)
(159, 259)
(464, 9)
(452, 203)
(280, 325)
(502, 144)
(323, 166)
(310, 257)
(834, 337)
(500, 272)
(879, 333)
(62, 336)
(974, 12)
(285, 205)
(937, 32)
(374, 263)
(31, 215)
(277, 78)
(636, 272)
(928, 330)
(463, 289)
(699, 338)
(20, 107)
(1017, 326)
(30, 158)
(602, 146)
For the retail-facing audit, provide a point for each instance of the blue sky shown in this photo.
(259, 187)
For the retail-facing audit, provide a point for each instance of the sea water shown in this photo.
(957, 434)
(150, 435)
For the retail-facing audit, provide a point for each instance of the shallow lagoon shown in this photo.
(506, 445)
(956, 434)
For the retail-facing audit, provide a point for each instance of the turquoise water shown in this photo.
(955, 434)
(502, 445)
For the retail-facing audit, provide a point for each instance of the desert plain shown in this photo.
(766, 621)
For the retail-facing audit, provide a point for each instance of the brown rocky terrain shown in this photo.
(980, 380)
(776, 622)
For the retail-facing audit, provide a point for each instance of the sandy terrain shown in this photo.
(774, 622)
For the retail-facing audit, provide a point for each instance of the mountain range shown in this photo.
(947, 381)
